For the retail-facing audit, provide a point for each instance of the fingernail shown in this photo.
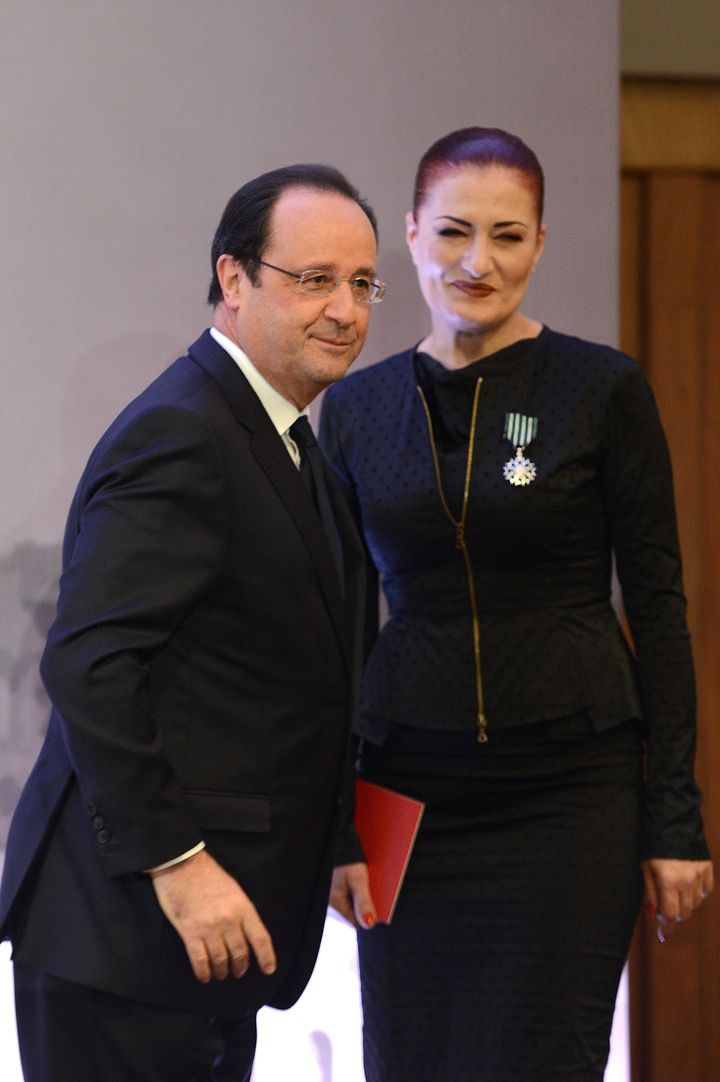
(650, 909)
(369, 920)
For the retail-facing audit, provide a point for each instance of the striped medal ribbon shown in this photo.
(521, 431)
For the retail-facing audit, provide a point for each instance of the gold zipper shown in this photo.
(459, 527)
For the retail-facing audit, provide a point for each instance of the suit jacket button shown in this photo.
(91, 809)
(103, 836)
(98, 822)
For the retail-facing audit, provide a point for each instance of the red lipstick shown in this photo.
(474, 289)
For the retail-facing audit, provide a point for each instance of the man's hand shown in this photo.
(350, 895)
(214, 917)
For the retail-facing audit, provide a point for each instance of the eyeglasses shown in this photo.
(321, 284)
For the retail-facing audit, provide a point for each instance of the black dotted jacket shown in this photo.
(551, 645)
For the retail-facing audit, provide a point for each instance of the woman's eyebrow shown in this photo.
(450, 217)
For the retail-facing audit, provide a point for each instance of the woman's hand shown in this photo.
(674, 889)
(350, 895)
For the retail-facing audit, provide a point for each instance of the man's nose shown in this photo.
(341, 305)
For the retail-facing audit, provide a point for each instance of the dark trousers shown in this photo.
(69, 1033)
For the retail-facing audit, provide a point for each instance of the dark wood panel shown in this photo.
(674, 342)
(707, 622)
(673, 223)
(631, 263)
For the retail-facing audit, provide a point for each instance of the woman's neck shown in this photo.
(457, 349)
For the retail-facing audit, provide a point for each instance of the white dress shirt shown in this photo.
(281, 412)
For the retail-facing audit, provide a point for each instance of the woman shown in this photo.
(495, 470)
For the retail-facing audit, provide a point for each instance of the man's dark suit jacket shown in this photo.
(201, 669)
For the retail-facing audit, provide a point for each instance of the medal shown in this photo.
(520, 430)
(519, 470)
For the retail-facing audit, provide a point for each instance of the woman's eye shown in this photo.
(448, 231)
(514, 237)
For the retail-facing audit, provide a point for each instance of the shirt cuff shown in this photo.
(178, 860)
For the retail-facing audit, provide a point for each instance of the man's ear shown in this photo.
(231, 276)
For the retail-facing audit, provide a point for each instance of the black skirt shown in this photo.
(506, 948)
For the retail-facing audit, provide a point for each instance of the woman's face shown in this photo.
(475, 242)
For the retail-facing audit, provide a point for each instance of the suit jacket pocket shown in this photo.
(230, 811)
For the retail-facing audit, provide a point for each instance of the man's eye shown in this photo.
(315, 281)
(361, 284)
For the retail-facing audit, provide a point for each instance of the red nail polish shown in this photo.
(368, 920)
(650, 909)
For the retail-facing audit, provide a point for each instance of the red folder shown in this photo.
(387, 824)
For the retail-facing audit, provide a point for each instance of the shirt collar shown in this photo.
(281, 412)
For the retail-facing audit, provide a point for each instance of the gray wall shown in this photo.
(125, 126)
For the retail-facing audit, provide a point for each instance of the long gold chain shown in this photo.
(458, 525)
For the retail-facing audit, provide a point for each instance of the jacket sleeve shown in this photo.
(348, 848)
(144, 540)
(638, 494)
(330, 440)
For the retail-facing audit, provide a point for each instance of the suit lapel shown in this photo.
(272, 457)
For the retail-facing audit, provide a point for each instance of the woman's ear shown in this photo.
(411, 232)
(539, 245)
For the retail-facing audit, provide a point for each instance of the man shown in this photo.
(168, 865)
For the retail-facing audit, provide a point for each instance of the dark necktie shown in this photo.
(311, 471)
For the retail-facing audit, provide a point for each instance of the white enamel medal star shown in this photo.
(519, 470)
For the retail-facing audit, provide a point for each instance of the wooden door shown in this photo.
(670, 311)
